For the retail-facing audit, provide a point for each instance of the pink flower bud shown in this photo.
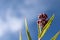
(43, 16)
(42, 20)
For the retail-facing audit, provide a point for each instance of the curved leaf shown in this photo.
(55, 36)
(27, 32)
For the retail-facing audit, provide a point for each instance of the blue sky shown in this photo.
(12, 13)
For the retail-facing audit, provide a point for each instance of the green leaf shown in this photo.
(27, 32)
(46, 27)
(20, 36)
(39, 29)
(55, 36)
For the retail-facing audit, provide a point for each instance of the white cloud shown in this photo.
(29, 9)
(15, 24)
(3, 27)
(12, 23)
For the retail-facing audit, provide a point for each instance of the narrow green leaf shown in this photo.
(20, 36)
(46, 27)
(39, 29)
(27, 32)
(55, 36)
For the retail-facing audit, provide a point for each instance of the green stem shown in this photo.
(39, 31)
(20, 35)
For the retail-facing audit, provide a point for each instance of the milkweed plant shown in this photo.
(43, 25)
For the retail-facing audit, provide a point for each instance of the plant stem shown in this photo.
(20, 36)
(39, 30)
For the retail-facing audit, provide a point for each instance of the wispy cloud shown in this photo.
(9, 21)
